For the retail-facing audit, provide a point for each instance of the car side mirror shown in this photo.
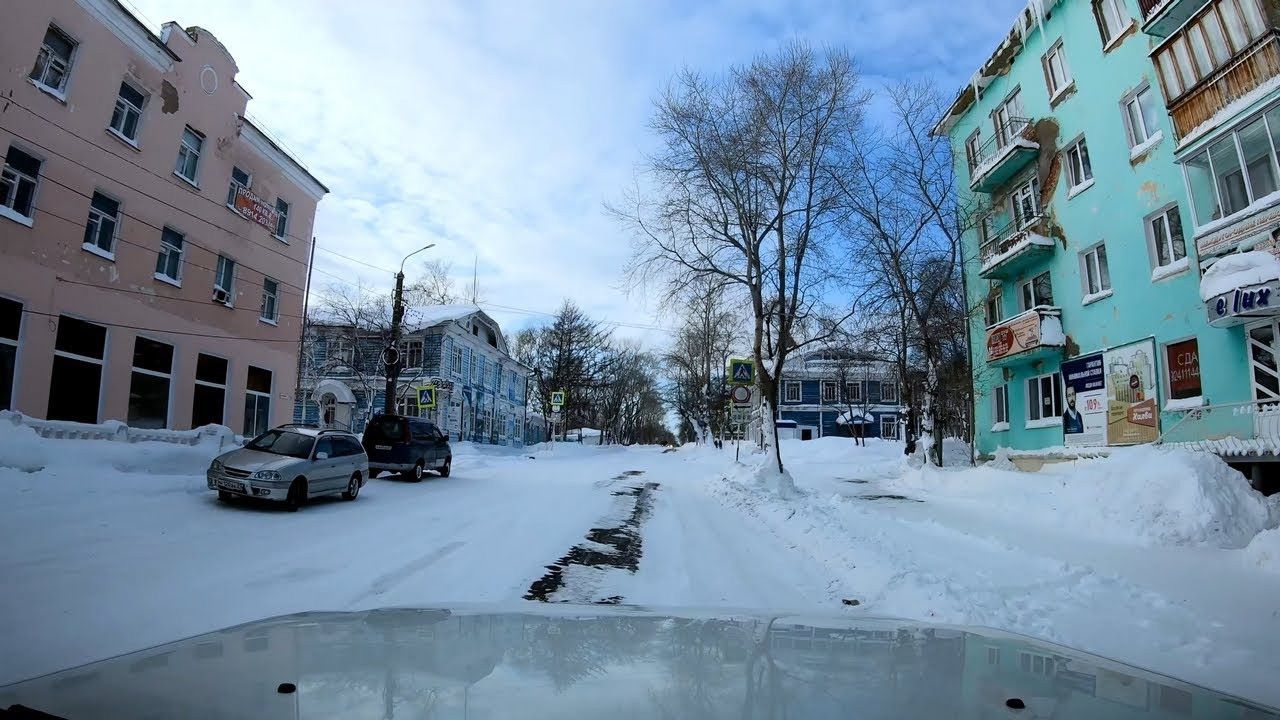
(322, 456)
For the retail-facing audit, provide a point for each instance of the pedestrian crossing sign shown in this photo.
(742, 372)
(427, 397)
(557, 397)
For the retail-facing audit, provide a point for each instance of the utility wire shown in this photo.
(291, 341)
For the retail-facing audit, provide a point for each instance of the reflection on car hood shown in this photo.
(246, 459)
(564, 661)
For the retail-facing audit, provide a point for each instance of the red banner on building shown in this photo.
(255, 208)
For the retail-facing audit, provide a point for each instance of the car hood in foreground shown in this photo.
(558, 661)
(254, 460)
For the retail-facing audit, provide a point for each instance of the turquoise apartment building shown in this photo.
(1082, 142)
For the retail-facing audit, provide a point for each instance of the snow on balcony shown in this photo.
(1029, 240)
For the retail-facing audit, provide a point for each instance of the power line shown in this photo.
(166, 297)
(291, 341)
(360, 262)
(527, 311)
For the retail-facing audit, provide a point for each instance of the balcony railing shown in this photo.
(1162, 17)
(1026, 337)
(1198, 104)
(1008, 251)
(1237, 429)
(993, 162)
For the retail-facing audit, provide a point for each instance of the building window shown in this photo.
(467, 368)
(18, 184)
(1009, 118)
(100, 231)
(1182, 362)
(1056, 73)
(889, 427)
(477, 370)
(791, 391)
(257, 402)
(1000, 404)
(270, 300)
(1164, 237)
(1079, 169)
(1112, 20)
(149, 384)
(1208, 43)
(1035, 663)
(209, 400)
(457, 361)
(282, 218)
(973, 148)
(1094, 270)
(1037, 291)
(188, 163)
(1141, 116)
(411, 353)
(1024, 203)
(76, 381)
(1044, 397)
(853, 391)
(239, 179)
(127, 113)
(993, 656)
(53, 62)
(224, 281)
(1236, 171)
(829, 391)
(10, 332)
(888, 392)
(993, 308)
(169, 261)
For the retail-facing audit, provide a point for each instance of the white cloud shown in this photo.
(498, 129)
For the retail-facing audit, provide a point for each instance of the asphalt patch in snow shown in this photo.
(889, 497)
(616, 547)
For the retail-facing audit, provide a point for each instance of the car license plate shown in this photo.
(381, 447)
(230, 485)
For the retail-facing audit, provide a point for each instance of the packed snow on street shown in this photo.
(1155, 557)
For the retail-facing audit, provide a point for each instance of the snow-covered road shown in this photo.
(136, 552)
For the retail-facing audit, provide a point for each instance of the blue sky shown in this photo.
(498, 130)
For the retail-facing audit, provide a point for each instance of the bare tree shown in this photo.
(433, 286)
(742, 191)
(356, 324)
(906, 222)
(696, 361)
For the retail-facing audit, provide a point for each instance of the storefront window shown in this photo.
(1182, 359)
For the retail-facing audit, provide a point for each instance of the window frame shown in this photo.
(406, 351)
(96, 218)
(455, 364)
(994, 301)
(259, 397)
(1101, 269)
(231, 186)
(1028, 190)
(223, 387)
(270, 297)
(973, 148)
(1109, 34)
(14, 342)
(1244, 168)
(1035, 400)
(167, 250)
(1071, 166)
(281, 230)
(138, 110)
(1153, 244)
(892, 395)
(15, 178)
(167, 377)
(833, 396)
(787, 386)
(1166, 374)
(1035, 298)
(1134, 98)
(59, 91)
(101, 362)
(1000, 405)
(1056, 51)
(186, 151)
(853, 391)
(230, 288)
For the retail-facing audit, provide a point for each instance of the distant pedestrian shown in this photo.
(911, 444)
(859, 435)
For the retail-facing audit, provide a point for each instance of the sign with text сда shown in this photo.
(255, 208)
(1133, 416)
(1019, 334)
(1084, 422)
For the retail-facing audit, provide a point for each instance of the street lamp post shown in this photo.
(397, 315)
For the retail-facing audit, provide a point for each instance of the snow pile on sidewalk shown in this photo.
(1264, 551)
(1145, 495)
(761, 472)
(22, 449)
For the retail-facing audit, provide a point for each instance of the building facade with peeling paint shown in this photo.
(1087, 257)
(155, 244)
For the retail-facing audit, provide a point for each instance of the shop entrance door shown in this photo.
(1264, 376)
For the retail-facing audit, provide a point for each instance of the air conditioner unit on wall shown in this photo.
(221, 296)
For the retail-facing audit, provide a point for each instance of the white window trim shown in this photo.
(1077, 189)
(1068, 168)
(1090, 298)
(1090, 295)
(1120, 35)
(856, 386)
(1069, 80)
(138, 126)
(59, 95)
(14, 215)
(122, 138)
(193, 181)
(167, 280)
(1145, 146)
(95, 250)
(995, 405)
(283, 237)
(187, 180)
(822, 391)
(275, 313)
(786, 387)
(1055, 421)
(1173, 269)
(1000, 427)
(174, 281)
(1043, 422)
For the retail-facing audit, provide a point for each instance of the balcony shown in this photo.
(1013, 249)
(1160, 18)
(1246, 73)
(1026, 337)
(998, 159)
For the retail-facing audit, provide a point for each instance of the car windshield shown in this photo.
(280, 442)
(389, 428)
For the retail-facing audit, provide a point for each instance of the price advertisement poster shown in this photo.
(1084, 419)
(1132, 414)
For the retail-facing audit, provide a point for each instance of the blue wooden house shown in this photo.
(458, 349)
(833, 391)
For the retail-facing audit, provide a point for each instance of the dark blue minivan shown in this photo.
(406, 445)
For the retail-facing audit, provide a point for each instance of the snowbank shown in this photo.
(1264, 551)
(22, 449)
(1144, 495)
(1239, 270)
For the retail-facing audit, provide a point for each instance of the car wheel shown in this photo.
(353, 487)
(225, 496)
(417, 472)
(297, 495)
(447, 467)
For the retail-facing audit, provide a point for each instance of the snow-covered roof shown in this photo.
(854, 417)
(1239, 270)
(433, 315)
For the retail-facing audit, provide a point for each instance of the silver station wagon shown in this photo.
(292, 464)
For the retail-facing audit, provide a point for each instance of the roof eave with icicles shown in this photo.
(1029, 20)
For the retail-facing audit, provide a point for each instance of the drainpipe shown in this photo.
(302, 333)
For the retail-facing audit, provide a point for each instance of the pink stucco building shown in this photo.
(154, 243)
